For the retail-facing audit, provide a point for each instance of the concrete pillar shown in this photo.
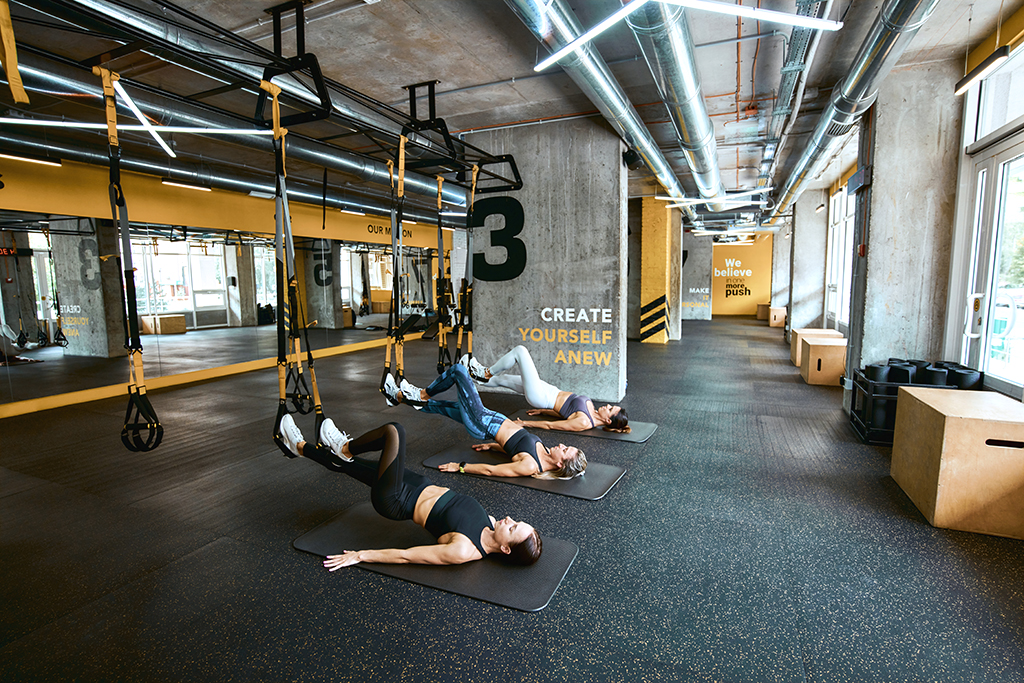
(675, 276)
(568, 306)
(807, 249)
(242, 293)
(781, 268)
(18, 288)
(655, 274)
(89, 286)
(697, 252)
(900, 298)
(323, 295)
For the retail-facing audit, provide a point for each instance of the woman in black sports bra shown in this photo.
(575, 412)
(530, 457)
(463, 529)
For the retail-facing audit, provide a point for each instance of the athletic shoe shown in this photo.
(411, 393)
(290, 434)
(476, 370)
(334, 438)
(391, 390)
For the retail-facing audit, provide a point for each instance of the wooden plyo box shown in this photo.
(796, 336)
(162, 324)
(776, 317)
(823, 360)
(762, 311)
(959, 456)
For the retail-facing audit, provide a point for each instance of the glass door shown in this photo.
(994, 320)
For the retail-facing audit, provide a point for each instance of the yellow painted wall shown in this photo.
(654, 270)
(741, 276)
(81, 190)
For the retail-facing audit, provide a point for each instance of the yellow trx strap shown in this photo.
(9, 54)
(110, 100)
(279, 132)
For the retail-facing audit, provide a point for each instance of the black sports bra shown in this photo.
(523, 442)
(461, 514)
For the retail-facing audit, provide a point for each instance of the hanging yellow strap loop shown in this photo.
(472, 190)
(401, 166)
(9, 54)
(440, 182)
(279, 132)
(110, 100)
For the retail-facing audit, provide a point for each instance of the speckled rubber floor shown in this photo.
(753, 538)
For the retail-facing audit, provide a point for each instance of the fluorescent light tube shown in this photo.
(32, 159)
(979, 72)
(185, 184)
(597, 30)
(765, 15)
(142, 119)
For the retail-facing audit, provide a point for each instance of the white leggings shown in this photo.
(538, 393)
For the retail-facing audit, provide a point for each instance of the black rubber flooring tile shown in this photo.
(888, 613)
(79, 547)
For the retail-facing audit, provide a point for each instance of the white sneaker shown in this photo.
(476, 369)
(391, 390)
(411, 393)
(290, 434)
(334, 438)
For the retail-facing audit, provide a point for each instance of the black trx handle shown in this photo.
(140, 417)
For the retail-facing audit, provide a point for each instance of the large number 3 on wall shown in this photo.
(515, 250)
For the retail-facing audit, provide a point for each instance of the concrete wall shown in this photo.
(90, 287)
(807, 245)
(575, 217)
(917, 132)
(696, 280)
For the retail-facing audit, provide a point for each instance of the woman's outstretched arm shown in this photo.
(441, 553)
(519, 468)
(579, 422)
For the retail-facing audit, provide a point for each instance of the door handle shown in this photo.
(975, 315)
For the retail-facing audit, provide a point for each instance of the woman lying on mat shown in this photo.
(529, 456)
(577, 412)
(463, 529)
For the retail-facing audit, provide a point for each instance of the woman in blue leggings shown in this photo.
(463, 529)
(530, 457)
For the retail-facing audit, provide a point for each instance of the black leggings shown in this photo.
(393, 490)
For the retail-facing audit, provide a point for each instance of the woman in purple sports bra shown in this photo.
(577, 412)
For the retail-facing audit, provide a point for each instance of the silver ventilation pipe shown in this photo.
(555, 25)
(47, 75)
(664, 37)
(231, 180)
(894, 28)
(236, 62)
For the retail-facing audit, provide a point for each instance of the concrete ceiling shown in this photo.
(483, 58)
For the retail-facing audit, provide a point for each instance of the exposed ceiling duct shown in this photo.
(664, 37)
(896, 25)
(555, 25)
(50, 75)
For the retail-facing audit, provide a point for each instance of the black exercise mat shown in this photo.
(639, 431)
(598, 480)
(529, 589)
